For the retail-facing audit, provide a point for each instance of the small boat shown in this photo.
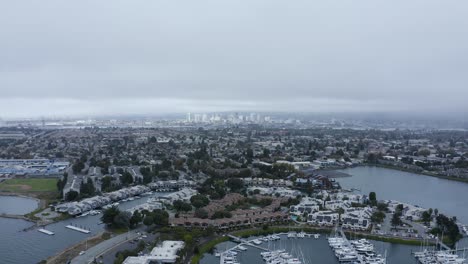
(242, 248)
(257, 242)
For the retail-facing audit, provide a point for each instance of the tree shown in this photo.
(235, 184)
(147, 174)
(424, 152)
(122, 220)
(109, 215)
(378, 217)
(62, 182)
(399, 208)
(249, 155)
(182, 206)
(87, 189)
(148, 220)
(71, 195)
(426, 217)
(340, 211)
(78, 167)
(199, 200)
(136, 219)
(396, 220)
(201, 213)
(106, 183)
(372, 198)
(188, 239)
(382, 207)
(161, 217)
(447, 226)
(126, 178)
(221, 214)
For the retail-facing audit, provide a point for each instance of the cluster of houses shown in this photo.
(254, 217)
(275, 191)
(267, 182)
(323, 210)
(239, 217)
(171, 185)
(356, 218)
(150, 205)
(75, 208)
(410, 212)
(184, 195)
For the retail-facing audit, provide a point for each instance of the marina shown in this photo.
(440, 257)
(270, 254)
(357, 251)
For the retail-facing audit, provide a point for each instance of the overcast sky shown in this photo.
(144, 57)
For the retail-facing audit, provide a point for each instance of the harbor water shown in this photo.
(449, 197)
(31, 246)
(14, 205)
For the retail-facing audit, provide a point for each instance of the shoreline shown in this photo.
(416, 172)
(390, 167)
(40, 206)
(73, 251)
(42, 203)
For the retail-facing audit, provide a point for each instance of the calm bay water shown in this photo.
(14, 205)
(24, 247)
(449, 197)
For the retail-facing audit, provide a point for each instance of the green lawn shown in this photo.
(29, 185)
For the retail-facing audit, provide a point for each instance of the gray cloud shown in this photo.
(142, 56)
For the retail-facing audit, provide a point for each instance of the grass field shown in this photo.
(29, 185)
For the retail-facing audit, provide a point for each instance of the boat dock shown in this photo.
(227, 256)
(45, 231)
(244, 242)
(78, 229)
(442, 256)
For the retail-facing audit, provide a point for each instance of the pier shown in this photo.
(45, 231)
(78, 229)
(241, 242)
(244, 242)
(442, 245)
(250, 243)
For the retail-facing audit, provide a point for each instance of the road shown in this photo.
(103, 247)
(109, 256)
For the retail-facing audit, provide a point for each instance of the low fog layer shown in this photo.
(143, 57)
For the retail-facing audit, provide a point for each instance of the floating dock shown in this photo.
(45, 231)
(78, 229)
